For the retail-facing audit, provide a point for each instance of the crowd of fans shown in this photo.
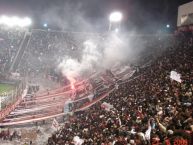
(9, 135)
(10, 40)
(149, 109)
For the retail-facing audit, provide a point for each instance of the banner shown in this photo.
(55, 124)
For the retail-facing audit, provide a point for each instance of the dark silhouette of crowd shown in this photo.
(151, 108)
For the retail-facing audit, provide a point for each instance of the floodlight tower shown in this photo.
(115, 19)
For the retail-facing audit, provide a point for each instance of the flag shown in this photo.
(148, 133)
(55, 124)
(90, 97)
(175, 76)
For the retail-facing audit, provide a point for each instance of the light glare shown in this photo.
(45, 25)
(115, 17)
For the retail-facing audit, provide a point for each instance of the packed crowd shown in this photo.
(150, 108)
(10, 40)
(9, 135)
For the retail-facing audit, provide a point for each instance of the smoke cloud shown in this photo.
(73, 68)
(95, 57)
(96, 53)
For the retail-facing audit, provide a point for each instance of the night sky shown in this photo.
(144, 15)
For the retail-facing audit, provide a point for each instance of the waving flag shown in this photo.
(55, 124)
(175, 76)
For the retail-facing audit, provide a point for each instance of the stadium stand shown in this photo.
(10, 40)
(147, 110)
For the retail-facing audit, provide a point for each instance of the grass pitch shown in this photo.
(5, 88)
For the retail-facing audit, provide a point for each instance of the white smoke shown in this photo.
(115, 49)
(96, 55)
(72, 68)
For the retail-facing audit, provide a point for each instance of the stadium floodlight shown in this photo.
(15, 21)
(115, 20)
(5, 20)
(45, 25)
(168, 26)
(115, 17)
(116, 30)
(25, 22)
